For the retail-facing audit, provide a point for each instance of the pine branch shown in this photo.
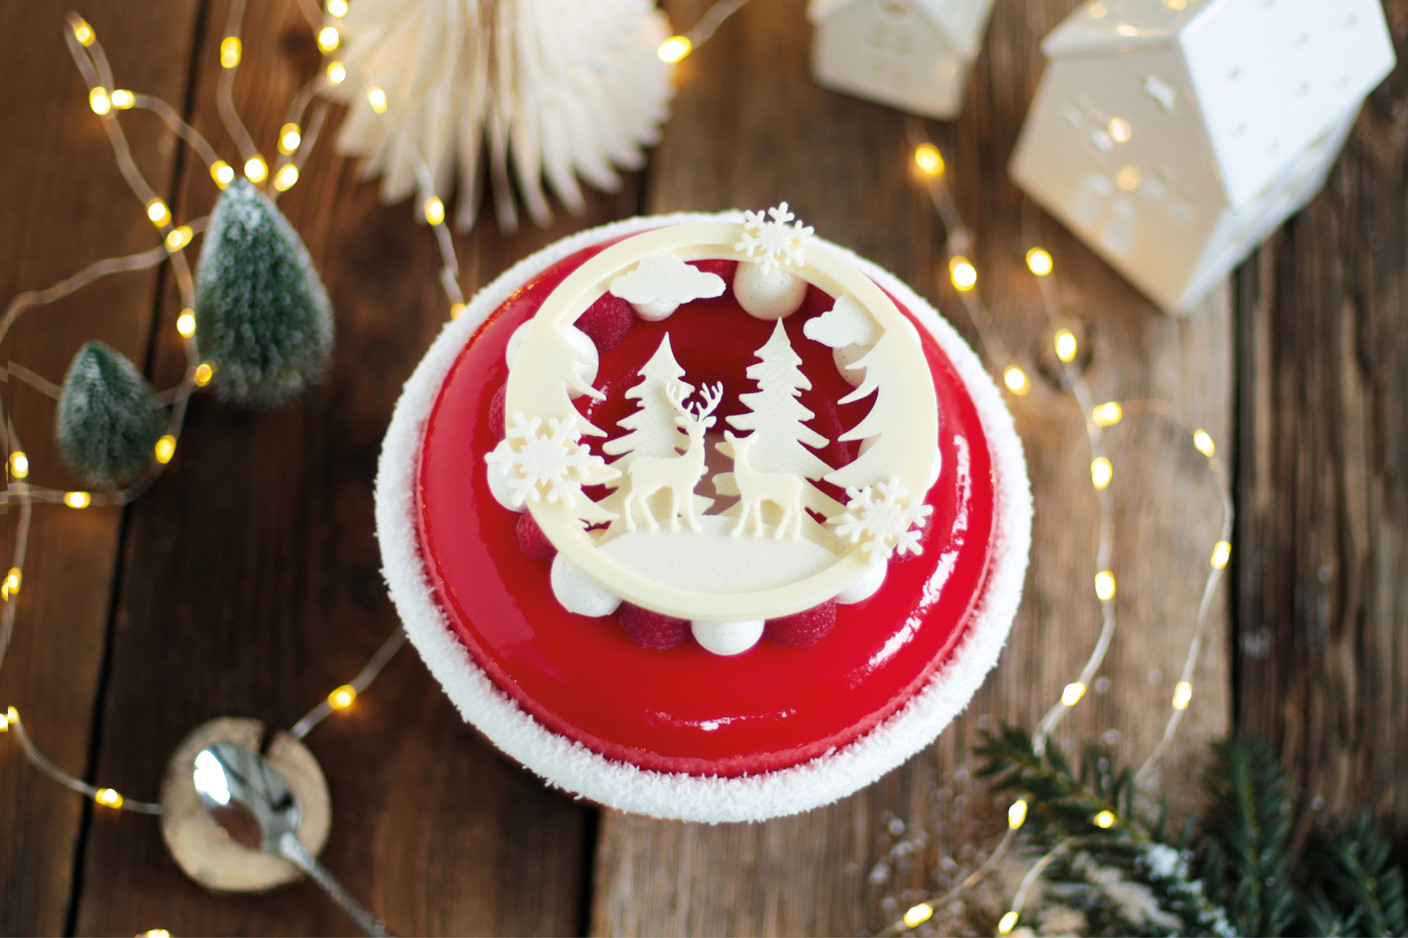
(1247, 832)
(1126, 879)
(1056, 795)
(1362, 890)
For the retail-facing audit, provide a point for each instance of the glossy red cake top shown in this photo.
(683, 709)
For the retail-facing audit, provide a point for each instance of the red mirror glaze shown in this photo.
(684, 709)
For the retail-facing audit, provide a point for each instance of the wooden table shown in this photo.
(246, 582)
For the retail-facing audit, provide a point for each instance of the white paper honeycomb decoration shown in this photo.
(911, 54)
(1173, 136)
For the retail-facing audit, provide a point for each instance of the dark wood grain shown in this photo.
(252, 587)
(247, 581)
(62, 206)
(845, 166)
(1323, 421)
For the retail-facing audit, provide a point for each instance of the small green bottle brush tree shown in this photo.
(263, 324)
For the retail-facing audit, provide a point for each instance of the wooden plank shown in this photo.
(63, 205)
(844, 167)
(1323, 484)
(252, 587)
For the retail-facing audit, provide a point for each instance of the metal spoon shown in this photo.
(253, 803)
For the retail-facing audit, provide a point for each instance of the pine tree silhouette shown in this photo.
(777, 419)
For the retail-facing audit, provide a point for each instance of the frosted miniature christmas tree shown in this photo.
(108, 419)
(262, 315)
(778, 422)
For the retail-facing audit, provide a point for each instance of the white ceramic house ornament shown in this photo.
(1174, 136)
(911, 54)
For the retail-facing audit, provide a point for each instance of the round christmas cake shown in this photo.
(704, 517)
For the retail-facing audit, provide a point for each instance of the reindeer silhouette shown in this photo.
(755, 487)
(680, 474)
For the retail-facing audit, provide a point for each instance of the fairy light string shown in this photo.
(295, 141)
(1098, 417)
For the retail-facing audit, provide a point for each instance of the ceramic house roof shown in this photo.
(961, 21)
(1261, 103)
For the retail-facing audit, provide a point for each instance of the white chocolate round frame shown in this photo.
(537, 391)
(566, 763)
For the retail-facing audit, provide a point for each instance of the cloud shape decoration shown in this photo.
(846, 323)
(665, 280)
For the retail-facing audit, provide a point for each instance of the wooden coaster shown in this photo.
(202, 849)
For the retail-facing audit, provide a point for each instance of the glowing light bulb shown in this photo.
(1104, 820)
(434, 210)
(165, 449)
(456, 310)
(290, 136)
(255, 169)
(1016, 380)
(377, 99)
(337, 73)
(929, 160)
(231, 49)
(1007, 922)
(13, 579)
(337, 8)
(223, 173)
(155, 933)
(186, 323)
(202, 375)
(286, 177)
(77, 500)
(4, 723)
(1120, 130)
(918, 915)
(674, 49)
(1203, 441)
(122, 99)
(157, 211)
(1107, 414)
(99, 101)
(1039, 261)
(1066, 345)
(1017, 813)
(1101, 472)
(177, 238)
(1182, 695)
(963, 274)
(82, 31)
(342, 697)
(1105, 585)
(328, 38)
(1221, 553)
(19, 464)
(1072, 693)
(108, 797)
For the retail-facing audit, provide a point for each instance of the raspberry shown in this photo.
(532, 541)
(803, 629)
(496, 412)
(607, 321)
(651, 629)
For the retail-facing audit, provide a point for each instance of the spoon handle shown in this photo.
(292, 849)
